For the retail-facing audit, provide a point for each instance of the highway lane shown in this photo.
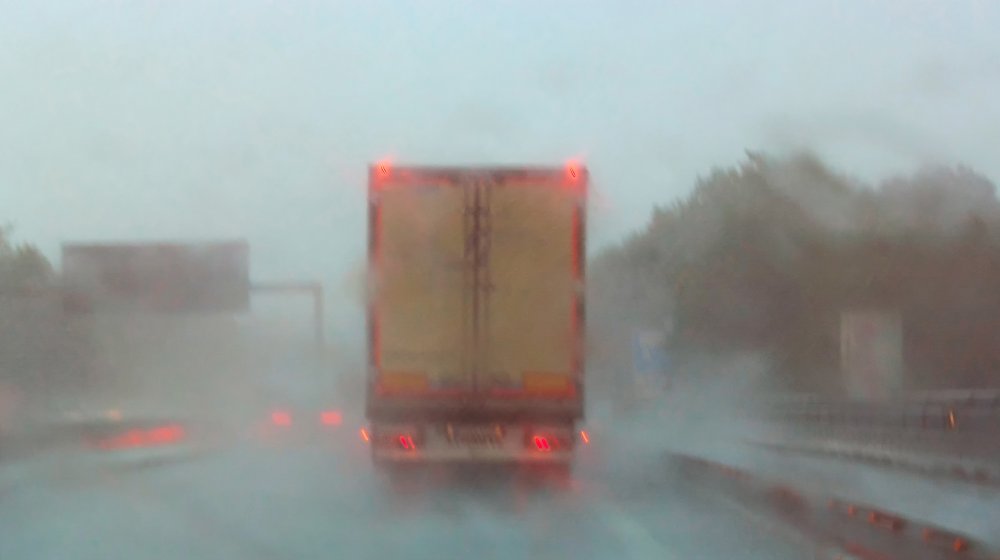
(252, 501)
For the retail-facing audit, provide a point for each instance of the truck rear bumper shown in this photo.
(466, 455)
(473, 442)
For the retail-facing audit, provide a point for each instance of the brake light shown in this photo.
(281, 418)
(331, 417)
(542, 443)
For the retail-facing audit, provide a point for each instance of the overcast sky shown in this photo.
(194, 119)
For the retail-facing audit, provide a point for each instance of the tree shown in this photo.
(765, 255)
(23, 268)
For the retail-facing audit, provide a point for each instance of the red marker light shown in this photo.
(331, 417)
(573, 171)
(542, 443)
(281, 418)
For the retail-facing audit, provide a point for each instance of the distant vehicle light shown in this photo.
(331, 417)
(281, 418)
(542, 443)
(132, 438)
(161, 435)
(584, 436)
(165, 434)
(364, 435)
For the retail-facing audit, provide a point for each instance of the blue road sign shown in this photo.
(649, 354)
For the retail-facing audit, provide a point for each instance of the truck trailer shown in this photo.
(475, 314)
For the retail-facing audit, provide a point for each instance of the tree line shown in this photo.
(23, 268)
(763, 256)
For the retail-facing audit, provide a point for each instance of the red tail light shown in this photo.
(406, 442)
(542, 443)
(331, 417)
(281, 418)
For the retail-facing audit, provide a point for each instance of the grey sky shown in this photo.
(191, 119)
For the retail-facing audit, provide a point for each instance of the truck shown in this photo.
(476, 314)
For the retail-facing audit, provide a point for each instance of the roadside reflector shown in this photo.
(885, 521)
(945, 539)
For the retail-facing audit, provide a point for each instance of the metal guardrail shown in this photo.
(953, 431)
(948, 412)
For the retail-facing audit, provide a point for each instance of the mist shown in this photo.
(755, 171)
(175, 122)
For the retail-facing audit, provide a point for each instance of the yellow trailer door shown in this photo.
(418, 300)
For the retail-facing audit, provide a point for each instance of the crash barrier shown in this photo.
(952, 433)
(952, 412)
(837, 528)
